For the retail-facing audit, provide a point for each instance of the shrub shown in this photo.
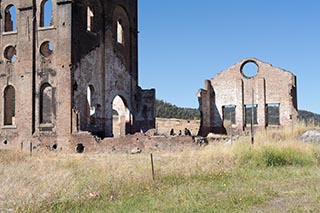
(277, 156)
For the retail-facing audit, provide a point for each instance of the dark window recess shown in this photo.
(249, 115)
(229, 113)
(80, 148)
(273, 114)
(9, 105)
(46, 104)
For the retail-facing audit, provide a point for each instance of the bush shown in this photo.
(277, 157)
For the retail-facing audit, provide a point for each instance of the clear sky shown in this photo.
(184, 42)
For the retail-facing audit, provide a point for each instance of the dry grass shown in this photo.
(215, 177)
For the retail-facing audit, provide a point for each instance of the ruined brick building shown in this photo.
(68, 66)
(232, 100)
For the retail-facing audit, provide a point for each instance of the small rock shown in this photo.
(136, 150)
(94, 195)
(311, 136)
(151, 132)
(201, 141)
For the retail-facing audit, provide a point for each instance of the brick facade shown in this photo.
(230, 94)
(66, 73)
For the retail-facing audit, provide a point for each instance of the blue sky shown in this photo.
(184, 42)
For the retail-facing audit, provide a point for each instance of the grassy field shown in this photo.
(277, 174)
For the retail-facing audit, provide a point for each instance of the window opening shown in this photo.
(273, 114)
(46, 49)
(46, 13)
(120, 32)
(46, 104)
(248, 114)
(10, 53)
(9, 105)
(54, 146)
(249, 69)
(229, 114)
(90, 104)
(80, 148)
(10, 23)
(90, 19)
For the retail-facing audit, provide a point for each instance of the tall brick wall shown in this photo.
(270, 85)
(57, 64)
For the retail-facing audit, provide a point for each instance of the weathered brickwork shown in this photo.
(66, 69)
(226, 101)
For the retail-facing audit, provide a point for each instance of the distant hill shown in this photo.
(309, 117)
(167, 110)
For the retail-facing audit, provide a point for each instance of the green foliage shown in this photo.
(277, 157)
(309, 117)
(167, 110)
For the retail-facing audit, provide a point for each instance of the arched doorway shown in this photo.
(121, 117)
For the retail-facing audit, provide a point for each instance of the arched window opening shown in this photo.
(46, 104)
(46, 49)
(46, 19)
(10, 53)
(10, 21)
(91, 110)
(120, 32)
(9, 105)
(90, 20)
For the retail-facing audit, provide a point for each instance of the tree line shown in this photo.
(168, 110)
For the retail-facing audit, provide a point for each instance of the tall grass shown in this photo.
(280, 147)
(218, 177)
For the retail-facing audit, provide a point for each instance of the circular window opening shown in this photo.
(10, 53)
(80, 148)
(46, 49)
(249, 69)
